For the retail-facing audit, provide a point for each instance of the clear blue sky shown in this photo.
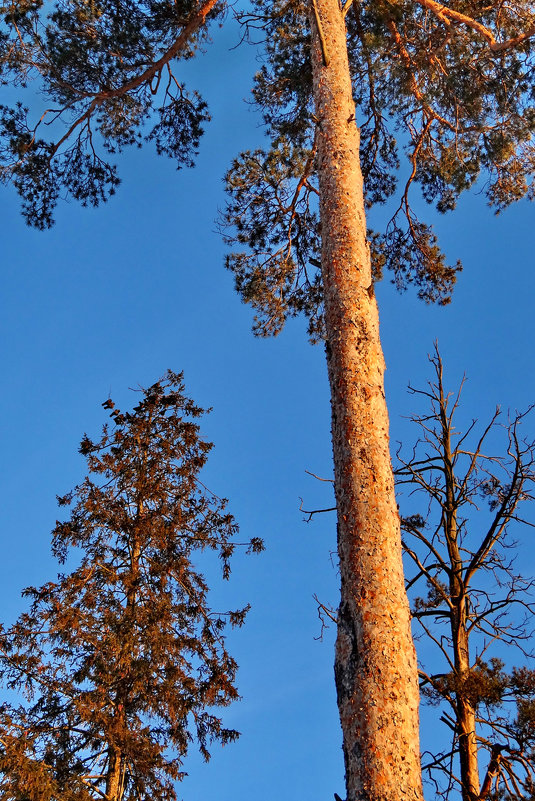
(111, 298)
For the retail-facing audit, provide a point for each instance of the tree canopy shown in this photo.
(444, 99)
(122, 659)
(445, 92)
(339, 84)
(108, 71)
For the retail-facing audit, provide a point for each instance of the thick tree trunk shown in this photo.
(375, 665)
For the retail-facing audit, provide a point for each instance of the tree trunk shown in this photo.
(114, 789)
(468, 751)
(466, 716)
(375, 663)
(465, 712)
(116, 757)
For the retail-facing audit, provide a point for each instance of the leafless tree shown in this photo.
(462, 508)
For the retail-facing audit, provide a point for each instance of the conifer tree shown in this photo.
(337, 83)
(122, 660)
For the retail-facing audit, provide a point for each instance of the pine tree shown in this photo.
(122, 660)
(456, 79)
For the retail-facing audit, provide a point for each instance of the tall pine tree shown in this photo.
(122, 659)
(338, 81)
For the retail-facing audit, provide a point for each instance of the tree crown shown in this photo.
(122, 659)
(445, 89)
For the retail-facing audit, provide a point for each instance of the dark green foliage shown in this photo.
(121, 659)
(460, 105)
(485, 684)
(175, 140)
(106, 68)
(452, 84)
(446, 89)
(280, 225)
(413, 255)
(39, 175)
(505, 705)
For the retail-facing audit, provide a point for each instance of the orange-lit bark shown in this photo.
(375, 663)
(114, 788)
(465, 712)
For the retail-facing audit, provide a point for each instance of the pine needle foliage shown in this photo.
(443, 91)
(106, 68)
(444, 98)
(122, 661)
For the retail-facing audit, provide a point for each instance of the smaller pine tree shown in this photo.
(122, 661)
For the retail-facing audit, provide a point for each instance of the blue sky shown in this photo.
(111, 298)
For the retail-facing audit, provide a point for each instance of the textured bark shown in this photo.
(375, 662)
(114, 789)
